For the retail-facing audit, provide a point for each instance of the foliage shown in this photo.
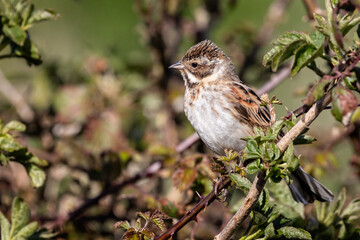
(16, 18)
(335, 221)
(11, 150)
(142, 232)
(19, 228)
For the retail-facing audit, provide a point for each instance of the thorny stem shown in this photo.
(313, 67)
(190, 215)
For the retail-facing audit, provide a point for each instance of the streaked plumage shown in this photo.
(222, 109)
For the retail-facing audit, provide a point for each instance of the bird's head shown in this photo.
(204, 62)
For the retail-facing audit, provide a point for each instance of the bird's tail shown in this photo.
(306, 189)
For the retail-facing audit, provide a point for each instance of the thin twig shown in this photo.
(16, 99)
(275, 80)
(311, 8)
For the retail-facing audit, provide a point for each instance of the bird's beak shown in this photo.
(177, 65)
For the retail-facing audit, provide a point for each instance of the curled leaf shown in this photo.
(344, 103)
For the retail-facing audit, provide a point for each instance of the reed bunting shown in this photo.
(223, 110)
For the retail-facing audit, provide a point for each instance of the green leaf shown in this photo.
(264, 200)
(336, 109)
(131, 234)
(275, 174)
(347, 27)
(122, 224)
(253, 167)
(291, 160)
(304, 55)
(20, 214)
(316, 92)
(30, 52)
(241, 182)
(42, 15)
(15, 33)
(322, 25)
(7, 143)
(276, 61)
(290, 51)
(268, 57)
(14, 125)
(270, 151)
(342, 230)
(286, 46)
(329, 10)
(304, 139)
(317, 38)
(251, 150)
(277, 152)
(3, 159)
(159, 223)
(277, 126)
(258, 218)
(27, 231)
(147, 234)
(36, 174)
(289, 38)
(145, 216)
(350, 82)
(338, 205)
(270, 231)
(37, 161)
(344, 103)
(5, 227)
(289, 152)
(353, 209)
(26, 13)
(294, 233)
(10, 11)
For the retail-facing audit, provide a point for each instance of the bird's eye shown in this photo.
(194, 64)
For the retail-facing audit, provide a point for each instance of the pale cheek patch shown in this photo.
(192, 78)
(217, 74)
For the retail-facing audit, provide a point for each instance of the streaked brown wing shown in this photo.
(247, 104)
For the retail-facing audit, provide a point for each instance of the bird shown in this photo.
(223, 110)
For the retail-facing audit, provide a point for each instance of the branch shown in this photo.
(259, 181)
(311, 8)
(191, 214)
(117, 186)
(246, 207)
(16, 99)
(275, 80)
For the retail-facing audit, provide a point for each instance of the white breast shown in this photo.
(216, 126)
